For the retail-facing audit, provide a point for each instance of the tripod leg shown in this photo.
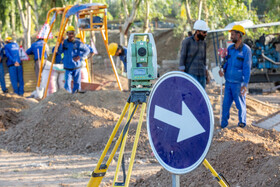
(99, 172)
(123, 146)
(221, 180)
(139, 126)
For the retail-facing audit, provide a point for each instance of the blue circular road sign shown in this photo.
(180, 122)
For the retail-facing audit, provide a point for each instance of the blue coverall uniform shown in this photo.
(237, 74)
(16, 72)
(123, 58)
(73, 49)
(33, 50)
(90, 48)
(58, 58)
(2, 73)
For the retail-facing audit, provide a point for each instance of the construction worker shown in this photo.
(120, 51)
(15, 66)
(36, 50)
(237, 69)
(74, 53)
(2, 73)
(193, 53)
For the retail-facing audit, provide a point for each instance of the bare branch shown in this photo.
(22, 16)
(30, 5)
(199, 9)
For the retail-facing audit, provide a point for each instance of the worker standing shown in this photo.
(2, 73)
(74, 53)
(36, 49)
(15, 66)
(237, 70)
(193, 53)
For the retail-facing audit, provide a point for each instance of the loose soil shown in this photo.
(58, 141)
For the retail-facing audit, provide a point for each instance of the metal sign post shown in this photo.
(175, 180)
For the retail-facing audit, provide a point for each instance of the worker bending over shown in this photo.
(120, 51)
(74, 53)
(36, 50)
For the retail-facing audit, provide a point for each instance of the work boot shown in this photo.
(6, 91)
(242, 125)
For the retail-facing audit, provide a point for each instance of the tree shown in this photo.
(129, 18)
(35, 10)
(25, 16)
(153, 10)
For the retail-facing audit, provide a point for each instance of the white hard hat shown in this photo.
(200, 25)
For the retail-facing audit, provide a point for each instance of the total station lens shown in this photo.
(142, 51)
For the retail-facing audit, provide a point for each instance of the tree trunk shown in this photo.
(28, 16)
(128, 21)
(35, 10)
(188, 12)
(13, 19)
(206, 11)
(147, 21)
(26, 22)
(36, 15)
(199, 10)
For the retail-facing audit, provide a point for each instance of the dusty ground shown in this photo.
(58, 141)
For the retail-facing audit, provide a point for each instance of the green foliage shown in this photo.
(219, 13)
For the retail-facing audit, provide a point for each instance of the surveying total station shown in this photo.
(142, 61)
(142, 68)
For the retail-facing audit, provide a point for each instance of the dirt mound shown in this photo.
(10, 107)
(67, 123)
(246, 157)
(82, 123)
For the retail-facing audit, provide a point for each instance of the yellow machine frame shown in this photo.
(91, 11)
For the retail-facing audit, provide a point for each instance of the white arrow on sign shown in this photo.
(186, 123)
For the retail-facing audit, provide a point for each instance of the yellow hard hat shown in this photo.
(70, 28)
(239, 28)
(8, 38)
(113, 48)
(78, 36)
(56, 34)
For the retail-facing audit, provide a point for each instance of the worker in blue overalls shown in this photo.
(2, 73)
(91, 52)
(74, 53)
(36, 50)
(237, 70)
(15, 66)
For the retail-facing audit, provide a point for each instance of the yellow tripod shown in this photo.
(219, 177)
(135, 99)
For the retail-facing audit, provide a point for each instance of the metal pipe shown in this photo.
(269, 59)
